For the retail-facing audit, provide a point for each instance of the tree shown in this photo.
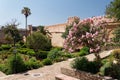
(44, 31)
(68, 27)
(38, 41)
(26, 11)
(86, 33)
(12, 32)
(113, 9)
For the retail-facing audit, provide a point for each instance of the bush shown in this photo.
(116, 54)
(38, 41)
(80, 63)
(68, 55)
(110, 69)
(83, 64)
(84, 51)
(41, 54)
(23, 50)
(47, 61)
(33, 64)
(31, 52)
(1, 49)
(15, 64)
(5, 47)
(54, 53)
(3, 68)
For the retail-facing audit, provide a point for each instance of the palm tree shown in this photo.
(26, 11)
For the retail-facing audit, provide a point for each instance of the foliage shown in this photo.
(84, 51)
(23, 50)
(68, 27)
(38, 41)
(3, 68)
(116, 34)
(82, 63)
(31, 52)
(12, 32)
(44, 31)
(5, 46)
(88, 32)
(47, 61)
(32, 64)
(106, 65)
(54, 53)
(116, 54)
(41, 54)
(85, 33)
(64, 35)
(111, 69)
(113, 9)
(15, 64)
(26, 11)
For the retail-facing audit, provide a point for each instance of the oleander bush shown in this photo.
(84, 51)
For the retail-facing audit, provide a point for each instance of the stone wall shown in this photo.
(82, 75)
(57, 30)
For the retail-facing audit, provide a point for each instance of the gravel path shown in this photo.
(47, 72)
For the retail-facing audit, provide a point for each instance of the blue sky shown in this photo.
(49, 12)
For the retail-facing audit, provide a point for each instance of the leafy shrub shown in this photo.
(33, 64)
(15, 64)
(68, 55)
(83, 64)
(80, 63)
(110, 69)
(104, 61)
(31, 52)
(1, 49)
(116, 54)
(47, 61)
(24, 46)
(38, 41)
(23, 50)
(54, 53)
(5, 47)
(41, 54)
(21, 43)
(84, 51)
(59, 59)
(3, 68)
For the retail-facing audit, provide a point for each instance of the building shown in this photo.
(57, 30)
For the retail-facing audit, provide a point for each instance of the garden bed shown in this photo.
(82, 75)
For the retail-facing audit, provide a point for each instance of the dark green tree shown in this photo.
(38, 41)
(11, 31)
(26, 11)
(113, 9)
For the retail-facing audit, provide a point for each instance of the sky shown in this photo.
(49, 12)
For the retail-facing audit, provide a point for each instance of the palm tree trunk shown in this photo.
(26, 28)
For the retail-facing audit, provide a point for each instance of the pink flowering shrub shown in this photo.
(88, 32)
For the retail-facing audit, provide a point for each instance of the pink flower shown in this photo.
(71, 50)
(91, 50)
